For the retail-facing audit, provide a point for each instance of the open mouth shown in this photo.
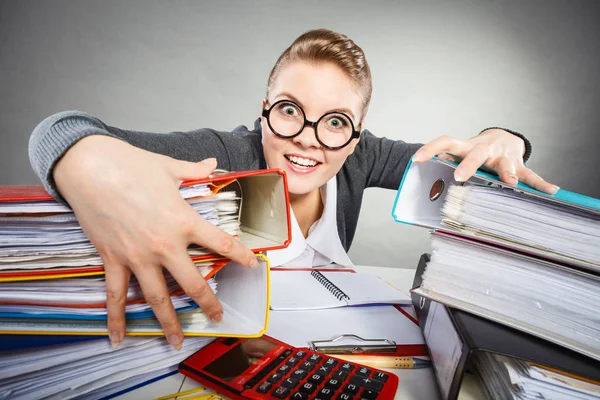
(302, 162)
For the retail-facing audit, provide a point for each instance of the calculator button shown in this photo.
(331, 362)
(341, 375)
(281, 392)
(324, 369)
(274, 378)
(264, 387)
(290, 382)
(345, 396)
(351, 388)
(334, 383)
(286, 353)
(363, 371)
(300, 354)
(299, 374)
(380, 376)
(293, 361)
(284, 369)
(299, 396)
(366, 383)
(326, 393)
(315, 358)
(316, 378)
(369, 394)
(308, 366)
(308, 387)
(346, 367)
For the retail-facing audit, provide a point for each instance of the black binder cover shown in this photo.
(453, 336)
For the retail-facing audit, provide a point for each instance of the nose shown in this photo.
(308, 136)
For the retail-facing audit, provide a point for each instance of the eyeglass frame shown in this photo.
(267, 112)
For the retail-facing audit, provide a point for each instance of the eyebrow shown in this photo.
(294, 99)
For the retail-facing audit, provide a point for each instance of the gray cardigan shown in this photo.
(376, 162)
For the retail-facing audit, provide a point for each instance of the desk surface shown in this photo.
(418, 384)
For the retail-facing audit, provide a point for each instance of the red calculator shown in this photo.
(265, 368)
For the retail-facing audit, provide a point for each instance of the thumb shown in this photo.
(186, 171)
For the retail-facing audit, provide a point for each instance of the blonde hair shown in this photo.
(327, 46)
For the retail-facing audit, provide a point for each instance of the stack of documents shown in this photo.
(51, 277)
(552, 301)
(90, 369)
(533, 223)
(509, 378)
(513, 255)
(45, 235)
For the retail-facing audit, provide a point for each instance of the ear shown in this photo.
(353, 145)
(263, 105)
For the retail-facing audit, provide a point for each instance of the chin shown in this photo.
(300, 188)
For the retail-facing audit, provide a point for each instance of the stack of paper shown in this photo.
(509, 378)
(535, 222)
(557, 303)
(91, 369)
(51, 278)
(38, 235)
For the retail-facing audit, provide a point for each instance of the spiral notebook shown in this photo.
(314, 290)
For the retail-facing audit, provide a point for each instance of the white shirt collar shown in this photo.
(323, 236)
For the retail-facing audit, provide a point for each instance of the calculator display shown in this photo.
(242, 356)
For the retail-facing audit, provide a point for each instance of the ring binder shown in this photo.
(336, 291)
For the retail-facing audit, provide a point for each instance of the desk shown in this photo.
(417, 384)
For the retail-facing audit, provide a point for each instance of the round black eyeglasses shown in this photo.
(334, 130)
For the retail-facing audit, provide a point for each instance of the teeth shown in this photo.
(302, 161)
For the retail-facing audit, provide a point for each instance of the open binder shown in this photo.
(263, 213)
(454, 337)
(424, 188)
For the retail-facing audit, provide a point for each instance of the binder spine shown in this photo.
(336, 291)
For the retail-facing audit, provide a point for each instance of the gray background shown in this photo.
(444, 67)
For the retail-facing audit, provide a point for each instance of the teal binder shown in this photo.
(424, 187)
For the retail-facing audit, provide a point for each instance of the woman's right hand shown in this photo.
(127, 201)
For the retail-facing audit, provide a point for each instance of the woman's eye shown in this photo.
(336, 122)
(290, 111)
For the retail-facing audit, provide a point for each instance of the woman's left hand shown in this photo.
(495, 149)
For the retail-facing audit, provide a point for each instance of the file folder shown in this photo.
(454, 336)
(264, 216)
(424, 188)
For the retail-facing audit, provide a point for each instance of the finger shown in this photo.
(117, 283)
(210, 236)
(185, 171)
(152, 282)
(441, 145)
(507, 170)
(532, 179)
(184, 271)
(471, 162)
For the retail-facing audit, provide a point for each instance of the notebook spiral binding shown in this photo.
(336, 291)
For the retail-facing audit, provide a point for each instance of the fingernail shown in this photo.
(253, 263)
(556, 188)
(114, 339)
(210, 161)
(458, 177)
(514, 178)
(218, 317)
(175, 341)
(417, 157)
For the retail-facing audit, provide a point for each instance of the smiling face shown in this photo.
(319, 89)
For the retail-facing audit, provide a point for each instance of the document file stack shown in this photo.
(519, 258)
(50, 275)
(52, 286)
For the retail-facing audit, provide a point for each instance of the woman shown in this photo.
(123, 185)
